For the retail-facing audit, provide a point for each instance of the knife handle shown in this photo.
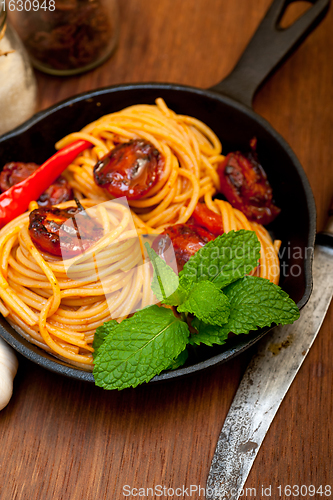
(326, 237)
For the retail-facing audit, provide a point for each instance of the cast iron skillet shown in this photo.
(226, 108)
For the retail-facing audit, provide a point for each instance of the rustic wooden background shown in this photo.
(62, 439)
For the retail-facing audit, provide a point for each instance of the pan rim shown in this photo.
(30, 351)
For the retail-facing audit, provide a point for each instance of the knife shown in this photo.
(267, 380)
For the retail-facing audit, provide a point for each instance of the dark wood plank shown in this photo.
(68, 440)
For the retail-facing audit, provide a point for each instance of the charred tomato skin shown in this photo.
(130, 169)
(44, 230)
(244, 183)
(186, 239)
(204, 217)
(15, 172)
(58, 192)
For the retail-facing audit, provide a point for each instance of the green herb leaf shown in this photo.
(208, 303)
(180, 294)
(207, 334)
(139, 348)
(256, 302)
(101, 333)
(165, 281)
(179, 361)
(225, 259)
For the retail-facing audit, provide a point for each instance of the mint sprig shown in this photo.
(139, 348)
(255, 303)
(225, 259)
(207, 334)
(101, 333)
(179, 361)
(165, 281)
(208, 303)
(212, 294)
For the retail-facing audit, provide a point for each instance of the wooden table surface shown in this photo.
(62, 439)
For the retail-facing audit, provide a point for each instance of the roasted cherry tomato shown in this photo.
(44, 229)
(186, 239)
(208, 219)
(244, 183)
(130, 169)
(15, 172)
(58, 192)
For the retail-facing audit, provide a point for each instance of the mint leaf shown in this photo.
(179, 361)
(208, 303)
(101, 333)
(256, 302)
(139, 348)
(207, 334)
(180, 294)
(165, 280)
(225, 259)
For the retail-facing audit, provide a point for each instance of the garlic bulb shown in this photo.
(8, 369)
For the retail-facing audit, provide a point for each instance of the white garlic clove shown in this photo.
(8, 369)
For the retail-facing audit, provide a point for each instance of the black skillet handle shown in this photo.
(268, 48)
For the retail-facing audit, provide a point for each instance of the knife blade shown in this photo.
(265, 383)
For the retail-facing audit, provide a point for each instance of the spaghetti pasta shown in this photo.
(58, 304)
(191, 153)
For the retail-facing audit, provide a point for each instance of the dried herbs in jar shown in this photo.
(70, 36)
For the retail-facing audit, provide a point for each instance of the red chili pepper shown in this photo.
(15, 200)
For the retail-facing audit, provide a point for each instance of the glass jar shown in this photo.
(66, 37)
(18, 89)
